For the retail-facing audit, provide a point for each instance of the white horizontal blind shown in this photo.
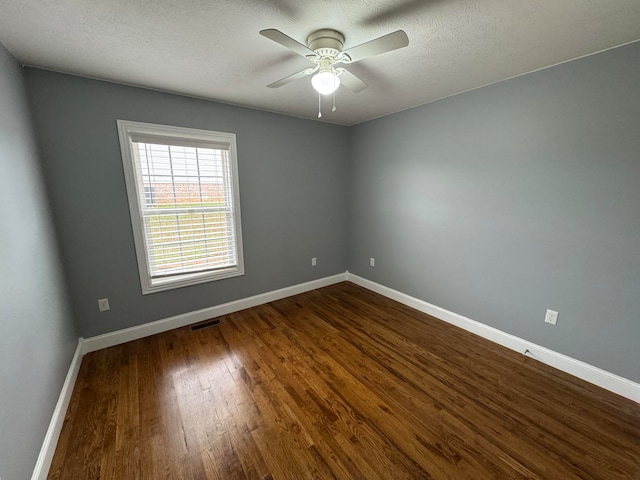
(187, 207)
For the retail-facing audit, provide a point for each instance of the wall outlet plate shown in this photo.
(551, 317)
(314, 262)
(372, 262)
(103, 304)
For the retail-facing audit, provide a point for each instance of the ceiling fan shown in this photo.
(324, 48)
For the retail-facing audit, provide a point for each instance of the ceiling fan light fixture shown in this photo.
(325, 83)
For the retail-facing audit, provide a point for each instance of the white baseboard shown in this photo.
(589, 373)
(45, 457)
(134, 333)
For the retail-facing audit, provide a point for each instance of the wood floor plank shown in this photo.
(337, 383)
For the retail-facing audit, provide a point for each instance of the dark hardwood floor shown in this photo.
(337, 383)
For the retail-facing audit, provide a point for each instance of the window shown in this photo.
(182, 186)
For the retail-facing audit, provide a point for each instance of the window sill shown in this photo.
(163, 284)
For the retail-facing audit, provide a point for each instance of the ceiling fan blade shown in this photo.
(397, 10)
(383, 44)
(291, 78)
(350, 81)
(286, 41)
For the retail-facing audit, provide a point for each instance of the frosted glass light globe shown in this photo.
(325, 83)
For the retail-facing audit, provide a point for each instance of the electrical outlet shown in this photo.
(103, 304)
(313, 261)
(551, 317)
(372, 262)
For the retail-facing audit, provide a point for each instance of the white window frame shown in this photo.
(185, 136)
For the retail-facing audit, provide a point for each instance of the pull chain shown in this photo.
(335, 76)
(319, 106)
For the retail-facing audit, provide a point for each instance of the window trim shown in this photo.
(127, 129)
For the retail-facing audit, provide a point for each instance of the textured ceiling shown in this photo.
(212, 49)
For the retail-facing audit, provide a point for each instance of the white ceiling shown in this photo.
(212, 49)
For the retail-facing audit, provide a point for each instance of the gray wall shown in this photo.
(505, 201)
(292, 196)
(37, 340)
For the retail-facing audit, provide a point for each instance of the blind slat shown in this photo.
(171, 212)
(196, 258)
(200, 243)
(150, 139)
(170, 273)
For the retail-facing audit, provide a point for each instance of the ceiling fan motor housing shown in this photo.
(326, 42)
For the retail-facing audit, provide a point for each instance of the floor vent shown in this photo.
(208, 323)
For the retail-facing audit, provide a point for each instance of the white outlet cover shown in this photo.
(103, 304)
(551, 317)
(313, 262)
(372, 262)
